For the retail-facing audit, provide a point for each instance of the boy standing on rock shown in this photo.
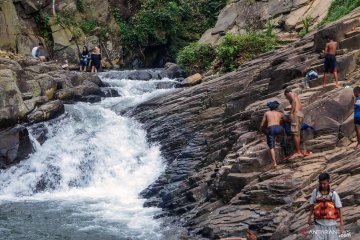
(330, 60)
(326, 208)
(273, 119)
(296, 118)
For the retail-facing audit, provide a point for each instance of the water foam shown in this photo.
(94, 161)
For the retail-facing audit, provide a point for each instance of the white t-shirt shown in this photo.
(335, 199)
(33, 51)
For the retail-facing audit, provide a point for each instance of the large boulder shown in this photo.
(6, 63)
(64, 48)
(8, 23)
(174, 71)
(77, 93)
(192, 80)
(80, 79)
(334, 110)
(46, 112)
(47, 84)
(140, 75)
(15, 145)
(12, 106)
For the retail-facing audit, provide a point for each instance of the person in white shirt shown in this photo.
(33, 51)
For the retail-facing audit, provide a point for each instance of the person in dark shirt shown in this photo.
(95, 59)
(84, 59)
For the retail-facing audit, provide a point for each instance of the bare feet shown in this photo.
(304, 153)
(298, 154)
(274, 164)
(357, 147)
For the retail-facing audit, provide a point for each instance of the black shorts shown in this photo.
(357, 121)
(330, 63)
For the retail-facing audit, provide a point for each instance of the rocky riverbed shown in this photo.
(219, 177)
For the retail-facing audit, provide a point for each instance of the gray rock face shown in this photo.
(46, 112)
(15, 146)
(12, 106)
(219, 177)
(240, 15)
(173, 70)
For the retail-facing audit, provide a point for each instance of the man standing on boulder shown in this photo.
(330, 60)
(326, 209)
(273, 119)
(296, 118)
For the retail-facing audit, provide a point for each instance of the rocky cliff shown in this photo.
(65, 26)
(287, 17)
(32, 92)
(219, 177)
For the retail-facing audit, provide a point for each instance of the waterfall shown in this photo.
(84, 181)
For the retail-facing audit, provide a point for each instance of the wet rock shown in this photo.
(109, 92)
(140, 75)
(46, 112)
(173, 70)
(76, 93)
(165, 85)
(35, 102)
(90, 99)
(15, 145)
(82, 78)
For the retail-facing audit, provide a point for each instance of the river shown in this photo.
(84, 181)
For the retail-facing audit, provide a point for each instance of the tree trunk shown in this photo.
(53, 8)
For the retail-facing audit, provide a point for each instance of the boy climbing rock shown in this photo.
(273, 119)
(326, 209)
(330, 60)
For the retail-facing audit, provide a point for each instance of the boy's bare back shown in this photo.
(274, 118)
(331, 47)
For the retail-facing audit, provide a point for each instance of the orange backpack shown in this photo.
(324, 206)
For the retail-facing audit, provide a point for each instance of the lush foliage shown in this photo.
(170, 23)
(307, 22)
(234, 50)
(42, 21)
(340, 8)
(86, 25)
(80, 5)
(196, 57)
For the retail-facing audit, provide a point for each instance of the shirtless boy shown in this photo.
(330, 60)
(273, 119)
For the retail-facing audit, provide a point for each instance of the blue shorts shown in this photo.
(271, 133)
(83, 63)
(357, 120)
(330, 63)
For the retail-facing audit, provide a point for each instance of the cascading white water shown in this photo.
(84, 181)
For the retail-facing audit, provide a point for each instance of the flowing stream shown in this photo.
(84, 181)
